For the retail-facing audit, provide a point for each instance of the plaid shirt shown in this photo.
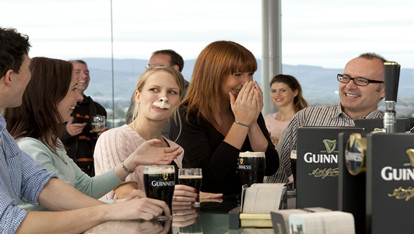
(311, 116)
(20, 178)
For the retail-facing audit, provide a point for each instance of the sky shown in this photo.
(325, 33)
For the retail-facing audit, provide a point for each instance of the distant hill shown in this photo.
(319, 84)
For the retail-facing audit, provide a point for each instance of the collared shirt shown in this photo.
(311, 116)
(20, 178)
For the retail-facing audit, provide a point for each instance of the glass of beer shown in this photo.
(252, 166)
(159, 182)
(191, 177)
(98, 123)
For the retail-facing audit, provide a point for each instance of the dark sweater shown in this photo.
(204, 147)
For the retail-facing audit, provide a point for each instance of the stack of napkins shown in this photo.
(335, 222)
(262, 198)
(258, 201)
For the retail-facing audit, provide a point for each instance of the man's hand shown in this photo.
(74, 129)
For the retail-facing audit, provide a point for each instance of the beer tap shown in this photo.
(391, 80)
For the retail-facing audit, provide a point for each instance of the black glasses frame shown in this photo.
(360, 81)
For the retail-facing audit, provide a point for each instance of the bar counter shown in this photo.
(211, 217)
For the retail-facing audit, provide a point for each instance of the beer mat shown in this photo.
(323, 222)
(257, 231)
(262, 198)
(280, 219)
(255, 220)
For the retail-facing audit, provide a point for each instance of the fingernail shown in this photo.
(195, 190)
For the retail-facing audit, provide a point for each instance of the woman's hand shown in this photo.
(148, 153)
(184, 195)
(245, 106)
(211, 197)
(259, 99)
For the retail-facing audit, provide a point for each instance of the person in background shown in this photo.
(157, 97)
(48, 101)
(221, 117)
(22, 178)
(78, 137)
(286, 94)
(361, 88)
(166, 58)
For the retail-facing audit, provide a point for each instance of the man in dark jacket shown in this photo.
(78, 137)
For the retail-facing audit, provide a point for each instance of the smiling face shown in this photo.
(68, 103)
(282, 95)
(358, 101)
(82, 75)
(234, 82)
(159, 97)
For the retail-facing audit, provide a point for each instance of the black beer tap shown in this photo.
(391, 80)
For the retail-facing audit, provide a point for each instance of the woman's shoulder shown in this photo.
(118, 132)
(31, 143)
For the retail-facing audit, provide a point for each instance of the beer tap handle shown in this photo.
(391, 80)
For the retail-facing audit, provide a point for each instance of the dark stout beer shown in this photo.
(251, 167)
(191, 177)
(191, 180)
(159, 182)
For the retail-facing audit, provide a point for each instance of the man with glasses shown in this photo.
(361, 88)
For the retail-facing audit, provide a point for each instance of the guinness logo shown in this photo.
(165, 176)
(329, 145)
(410, 153)
(241, 160)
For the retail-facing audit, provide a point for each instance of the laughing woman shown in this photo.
(221, 117)
(48, 102)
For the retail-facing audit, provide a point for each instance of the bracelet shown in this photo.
(242, 124)
(125, 168)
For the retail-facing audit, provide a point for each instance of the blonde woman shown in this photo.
(157, 97)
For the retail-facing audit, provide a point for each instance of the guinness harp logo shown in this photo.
(410, 153)
(329, 145)
(241, 160)
(165, 176)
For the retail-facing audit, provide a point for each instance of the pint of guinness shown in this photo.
(251, 167)
(159, 182)
(191, 177)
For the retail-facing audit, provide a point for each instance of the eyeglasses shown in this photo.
(357, 81)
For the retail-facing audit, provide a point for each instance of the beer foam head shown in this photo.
(162, 103)
(159, 169)
(251, 154)
(190, 176)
